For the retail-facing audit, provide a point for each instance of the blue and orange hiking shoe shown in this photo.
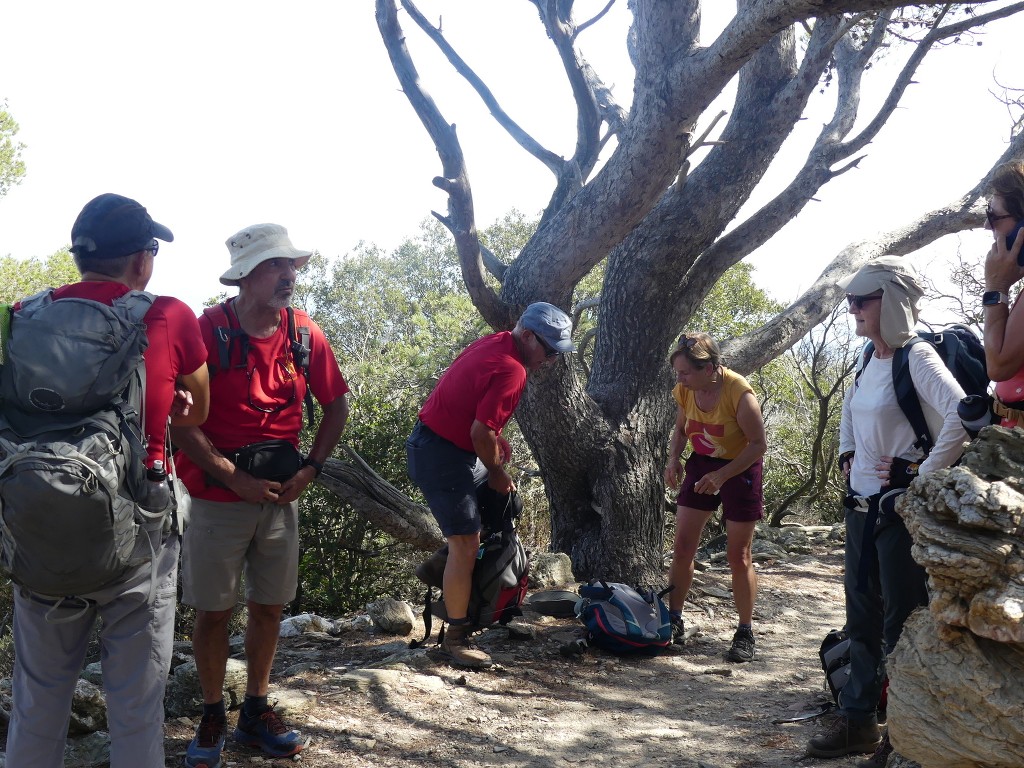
(267, 732)
(204, 750)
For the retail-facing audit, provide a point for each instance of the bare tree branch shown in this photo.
(753, 350)
(461, 218)
(594, 20)
(553, 162)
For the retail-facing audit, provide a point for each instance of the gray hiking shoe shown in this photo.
(678, 631)
(845, 737)
(457, 649)
(742, 646)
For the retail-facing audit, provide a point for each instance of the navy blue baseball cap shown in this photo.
(113, 225)
(551, 324)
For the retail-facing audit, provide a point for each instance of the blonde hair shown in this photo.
(699, 348)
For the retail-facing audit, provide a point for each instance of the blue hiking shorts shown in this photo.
(448, 477)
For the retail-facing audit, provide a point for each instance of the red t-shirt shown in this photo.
(175, 348)
(483, 383)
(262, 400)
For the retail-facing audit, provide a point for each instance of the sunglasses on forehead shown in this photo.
(858, 302)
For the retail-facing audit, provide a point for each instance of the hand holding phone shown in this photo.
(1013, 236)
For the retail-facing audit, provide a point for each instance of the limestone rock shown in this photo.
(90, 751)
(88, 709)
(184, 696)
(306, 623)
(955, 698)
(966, 524)
(94, 673)
(550, 569)
(392, 616)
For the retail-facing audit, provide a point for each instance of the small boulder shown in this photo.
(550, 569)
(391, 616)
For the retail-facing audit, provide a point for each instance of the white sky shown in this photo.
(216, 115)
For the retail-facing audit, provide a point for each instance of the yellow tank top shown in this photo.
(715, 433)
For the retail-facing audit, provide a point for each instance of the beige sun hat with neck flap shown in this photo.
(253, 245)
(897, 279)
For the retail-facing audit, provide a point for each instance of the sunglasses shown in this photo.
(154, 247)
(993, 217)
(686, 342)
(858, 302)
(549, 351)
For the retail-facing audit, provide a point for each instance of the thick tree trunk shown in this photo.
(603, 478)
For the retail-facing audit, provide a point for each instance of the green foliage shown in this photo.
(802, 395)
(20, 278)
(734, 306)
(12, 168)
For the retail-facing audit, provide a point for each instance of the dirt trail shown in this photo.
(535, 708)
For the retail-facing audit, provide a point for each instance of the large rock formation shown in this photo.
(956, 696)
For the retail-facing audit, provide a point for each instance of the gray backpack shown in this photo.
(72, 448)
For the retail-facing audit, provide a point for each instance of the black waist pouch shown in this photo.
(276, 460)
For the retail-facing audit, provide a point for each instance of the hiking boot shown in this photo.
(204, 750)
(844, 737)
(742, 646)
(678, 631)
(457, 649)
(267, 732)
(881, 756)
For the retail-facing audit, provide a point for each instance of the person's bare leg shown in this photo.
(210, 646)
(744, 577)
(261, 633)
(458, 573)
(689, 526)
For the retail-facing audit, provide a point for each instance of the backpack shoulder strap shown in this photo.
(225, 330)
(865, 358)
(906, 396)
(136, 303)
(299, 342)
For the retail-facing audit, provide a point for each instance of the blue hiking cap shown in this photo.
(112, 225)
(551, 324)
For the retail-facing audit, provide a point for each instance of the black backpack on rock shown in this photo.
(499, 576)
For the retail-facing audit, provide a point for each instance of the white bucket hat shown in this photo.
(896, 278)
(253, 245)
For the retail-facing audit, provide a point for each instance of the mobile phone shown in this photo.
(1013, 236)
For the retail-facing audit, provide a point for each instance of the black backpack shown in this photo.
(72, 449)
(623, 619)
(835, 661)
(961, 352)
(501, 572)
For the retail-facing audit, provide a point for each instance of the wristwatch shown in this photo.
(316, 465)
(992, 298)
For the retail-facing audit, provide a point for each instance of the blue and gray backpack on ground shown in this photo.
(624, 620)
(72, 449)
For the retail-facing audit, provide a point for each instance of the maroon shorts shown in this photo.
(741, 497)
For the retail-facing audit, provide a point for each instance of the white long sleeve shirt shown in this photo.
(873, 425)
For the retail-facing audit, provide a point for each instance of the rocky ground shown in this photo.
(379, 704)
